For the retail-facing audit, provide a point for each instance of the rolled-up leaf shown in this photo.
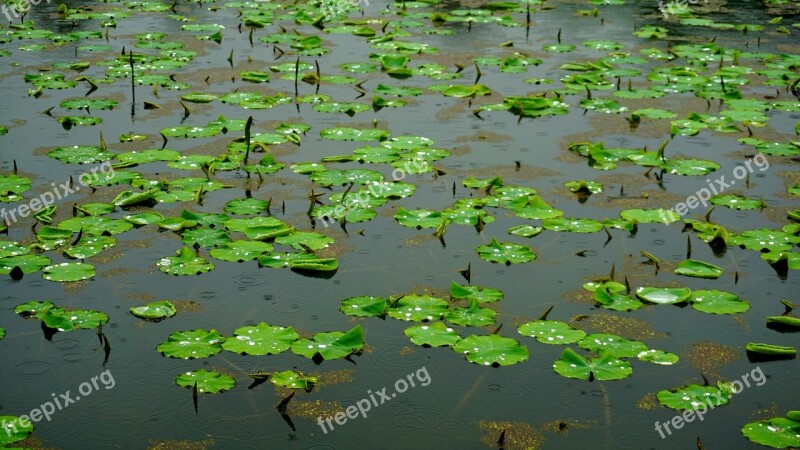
(773, 351)
(783, 321)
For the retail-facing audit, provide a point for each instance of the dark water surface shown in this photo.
(145, 405)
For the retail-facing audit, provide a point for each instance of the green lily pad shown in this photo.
(659, 357)
(698, 269)
(90, 246)
(185, 263)
(303, 239)
(85, 103)
(197, 97)
(343, 177)
(527, 231)
(606, 296)
(492, 350)
(603, 368)
(33, 308)
(331, 345)
(365, 306)
(14, 429)
(434, 334)
(353, 134)
(589, 187)
(80, 154)
(615, 345)
(206, 237)
(240, 251)
(192, 344)
(246, 206)
(148, 218)
(534, 208)
(717, 302)
(764, 239)
(473, 316)
(777, 432)
(95, 226)
(294, 380)
(207, 382)
(420, 218)
(481, 294)
(506, 253)
(650, 215)
(572, 225)
(184, 132)
(27, 263)
(68, 272)
(663, 296)
(694, 395)
(551, 332)
(154, 311)
(418, 308)
(62, 320)
(261, 339)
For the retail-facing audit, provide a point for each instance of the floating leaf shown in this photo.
(615, 345)
(658, 357)
(27, 263)
(331, 345)
(480, 294)
(694, 395)
(261, 339)
(240, 251)
(572, 225)
(185, 263)
(192, 344)
(246, 206)
(699, 269)
(506, 253)
(418, 308)
(68, 272)
(207, 382)
(551, 332)
(473, 316)
(434, 334)
(14, 429)
(611, 297)
(293, 380)
(603, 368)
(154, 311)
(420, 218)
(663, 296)
(492, 350)
(717, 302)
(777, 432)
(365, 306)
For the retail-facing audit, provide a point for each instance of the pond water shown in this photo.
(498, 154)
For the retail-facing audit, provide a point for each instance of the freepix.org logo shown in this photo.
(48, 408)
(16, 9)
(57, 192)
